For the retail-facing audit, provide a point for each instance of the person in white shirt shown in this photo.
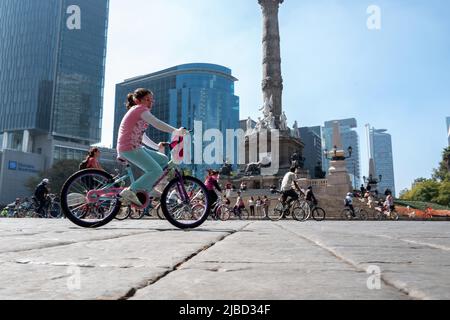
(389, 203)
(349, 203)
(287, 187)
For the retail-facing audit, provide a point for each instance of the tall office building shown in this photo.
(52, 65)
(52, 61)
(349, 138)
(381, 153)
(198, 91)
(448, 130)
(312, 138)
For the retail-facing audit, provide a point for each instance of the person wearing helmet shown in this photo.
(40, 194)
(349, 203)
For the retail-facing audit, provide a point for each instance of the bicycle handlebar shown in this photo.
(172, 145)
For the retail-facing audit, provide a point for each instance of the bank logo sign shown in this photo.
(17, 166)
(12, 165)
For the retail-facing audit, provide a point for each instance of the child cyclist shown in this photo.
(132, 137)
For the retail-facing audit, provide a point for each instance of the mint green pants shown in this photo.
(151, 162)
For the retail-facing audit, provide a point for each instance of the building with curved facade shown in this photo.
(184, 94)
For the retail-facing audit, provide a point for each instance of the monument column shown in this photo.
(272, 84)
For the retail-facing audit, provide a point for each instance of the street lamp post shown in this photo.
(335, 156)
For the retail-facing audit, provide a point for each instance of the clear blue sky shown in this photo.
(334, 67)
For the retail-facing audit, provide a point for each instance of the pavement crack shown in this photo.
(413, 294)
(68, 243)
(132, 292)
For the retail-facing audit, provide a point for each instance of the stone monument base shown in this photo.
(255, 146)
(339, 183)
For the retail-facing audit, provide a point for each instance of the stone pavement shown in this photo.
(50, 259)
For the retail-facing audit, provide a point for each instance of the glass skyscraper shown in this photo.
(198, 91)
(381, 152)
(349, 138)
(52, 62)
(312, 138)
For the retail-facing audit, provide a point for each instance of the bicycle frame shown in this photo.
(95, 196)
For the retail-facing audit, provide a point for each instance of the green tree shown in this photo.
(57, 175)
(442, 173)
(444, 194)
(426, 191)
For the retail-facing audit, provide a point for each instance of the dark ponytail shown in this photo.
(91, 153)
(139, 94)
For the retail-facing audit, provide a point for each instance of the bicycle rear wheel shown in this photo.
(346, 214)
(223, 213)
(318, 214)
(75, 204)
(180, 211)
(395, 216)
(277, 213)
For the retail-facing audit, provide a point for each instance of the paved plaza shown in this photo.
(244, 260)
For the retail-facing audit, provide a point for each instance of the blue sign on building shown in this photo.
(12, 165)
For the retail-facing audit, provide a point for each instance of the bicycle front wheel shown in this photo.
(159, 212)
(182, 212)
(104, 204)
(318, 214)
(54, 211)
(362, 214)
(244, 214)
(123, 213)
(223, 213)
(137, 214)
(299, 213)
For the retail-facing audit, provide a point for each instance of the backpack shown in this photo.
(83, 165)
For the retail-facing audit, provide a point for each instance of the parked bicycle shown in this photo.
(91, 198)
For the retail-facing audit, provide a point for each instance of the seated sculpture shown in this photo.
(254, 168)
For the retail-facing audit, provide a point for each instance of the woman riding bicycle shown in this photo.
(132, 137)
(211, 184)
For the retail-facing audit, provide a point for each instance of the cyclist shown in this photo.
(310, 197)
(212, 184)
(389, 203)
(287, 187)
(349, 203)
(239, 205)
(132, 137)
(40, 193)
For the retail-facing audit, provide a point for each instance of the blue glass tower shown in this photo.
(184, 94)
(381, 151)
(349, 138)
(52, 62)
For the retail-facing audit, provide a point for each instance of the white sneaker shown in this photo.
(129, 195)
